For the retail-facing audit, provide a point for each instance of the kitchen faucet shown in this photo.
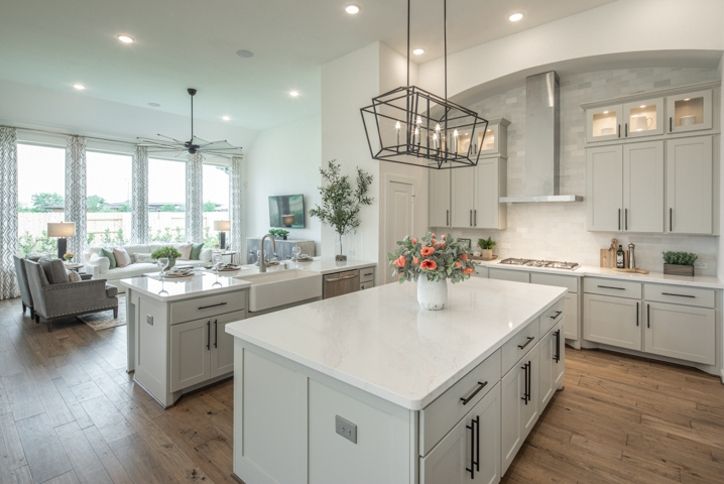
(262, 260)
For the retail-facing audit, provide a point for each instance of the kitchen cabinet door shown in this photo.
(604, 123)
(611, 320)
(463, 197)
(689, 111)
(531, 410)
(643, 118)
(190, 353)
(490, 185)
(545, 369)
(512, 389)
(604, 181)
(222, 346)
(570, 317)
(683, 332)
(470, 452)
(509, 274)
(643, 187)
(439, 200)
(690, 185)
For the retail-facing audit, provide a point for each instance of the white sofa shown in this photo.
(141, 263)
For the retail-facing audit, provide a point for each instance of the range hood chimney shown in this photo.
(541, 178)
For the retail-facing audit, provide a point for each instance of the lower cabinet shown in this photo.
(470, 452)
(570, 325)
(509, 275)
(683, 332)
(612, 320)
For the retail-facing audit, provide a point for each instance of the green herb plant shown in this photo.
(486, 244)
(279, 233)
(680, 258)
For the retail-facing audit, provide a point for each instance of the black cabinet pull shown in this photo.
(625, 218)
(619, 219)
(671, 125)
(557, 356)
(637, 314)
(671, 219)
(476, 421)
(216, 333)
(619, 130)
(530, 377)
(471, 469)
(201, 308)
(471, 217)
(447, 217)
(611, 287)
(208, 335)
(525, 383)
(555, 315)
(690, 296)
(480, 386)
(625, 130)
(527, 342)
(648, 315)
(475, 217)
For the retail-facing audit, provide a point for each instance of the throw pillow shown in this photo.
(73, 276)
(185, 250)
(108, 253)
(142, 257)
(54, 270)
(122, 257)
(196, 251)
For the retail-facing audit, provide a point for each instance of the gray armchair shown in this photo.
(54, 301)
(25, 296)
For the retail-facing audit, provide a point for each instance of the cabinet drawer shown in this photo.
(481, 271)
(366, 285)
(612, 287)
(367, 274)
(521, 343)
(691, 296)
(552, 316)
(203, 307)
(569, 282)
(447, 409)
(509, 275)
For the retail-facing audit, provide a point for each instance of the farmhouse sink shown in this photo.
(270, 290)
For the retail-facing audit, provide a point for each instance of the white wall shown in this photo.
(283, 161)
(622, 26)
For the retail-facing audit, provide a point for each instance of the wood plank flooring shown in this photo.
(69, 413)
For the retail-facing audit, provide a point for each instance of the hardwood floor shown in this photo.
(69, 413)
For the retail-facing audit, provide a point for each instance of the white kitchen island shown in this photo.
(368, 388)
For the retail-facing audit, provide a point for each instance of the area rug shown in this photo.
(104, 319)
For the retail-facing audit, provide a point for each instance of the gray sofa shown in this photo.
(55, 300)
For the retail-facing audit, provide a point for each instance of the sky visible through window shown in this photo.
(41, 169)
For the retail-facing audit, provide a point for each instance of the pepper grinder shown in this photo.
(631, 256)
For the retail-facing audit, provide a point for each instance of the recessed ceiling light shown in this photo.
(605, 112)
(154, 105)
(515, 17)
(418, 51)
(226, 117)
(125, 39)
(687, 99)
(78, 86)
(642, 106)
(352, 9)
(294, 93)
(244, 54)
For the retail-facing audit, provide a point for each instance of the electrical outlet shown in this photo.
(149, 319)
(345, 428)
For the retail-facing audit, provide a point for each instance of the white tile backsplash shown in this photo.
(557, 231)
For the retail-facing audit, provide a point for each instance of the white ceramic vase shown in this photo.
(431, 295)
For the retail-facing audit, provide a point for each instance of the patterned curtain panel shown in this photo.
(236, 194)
(75, 192)
(139, 197)
(8, 212)
(194, 200)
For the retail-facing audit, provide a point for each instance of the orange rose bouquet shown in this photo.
(432, 257)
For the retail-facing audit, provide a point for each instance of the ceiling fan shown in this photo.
(194, 145)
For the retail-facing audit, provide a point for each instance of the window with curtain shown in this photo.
(108, 203)
(166, 200)
(216, 201)
(41, 196)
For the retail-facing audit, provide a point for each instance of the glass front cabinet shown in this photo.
(494, 143)
(643, 118)
(603, 123)
(689, 111)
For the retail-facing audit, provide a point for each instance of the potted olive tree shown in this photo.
(342, 200)
(679, 263)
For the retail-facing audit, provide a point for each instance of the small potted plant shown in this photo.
(68, 256)
(486, 248)
(167, 252)
(679, 263)
(279, 234)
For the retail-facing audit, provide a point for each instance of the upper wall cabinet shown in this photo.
(629, 120)
(439, 198)
(689, 111)
(603, 123)
(494, 143)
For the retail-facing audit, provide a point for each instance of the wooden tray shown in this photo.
(484, 260)
(632, 271)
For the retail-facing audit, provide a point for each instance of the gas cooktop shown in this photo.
(552, 264)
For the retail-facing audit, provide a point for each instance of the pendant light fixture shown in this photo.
(194, 145)
(413, 126)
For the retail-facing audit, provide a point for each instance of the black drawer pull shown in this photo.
(201, 308)
(208, 335)
(481, 385)
(637, 314)
(612, 287)
(555, 315)
(527, 342)
(690, 296)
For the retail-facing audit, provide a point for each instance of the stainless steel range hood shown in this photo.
(540, 183)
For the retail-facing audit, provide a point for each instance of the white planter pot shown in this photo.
(431, 295)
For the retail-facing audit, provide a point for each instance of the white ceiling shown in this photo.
(192, 43)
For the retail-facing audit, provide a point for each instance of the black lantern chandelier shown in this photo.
(413, 126)
(194, 145)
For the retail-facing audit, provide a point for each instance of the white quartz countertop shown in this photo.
(174, 289)
(593, 271)
(378, 340)
(328, 266)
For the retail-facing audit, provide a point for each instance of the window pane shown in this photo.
(216, 201)
(41, 188)
(109, 198)
(166, 200)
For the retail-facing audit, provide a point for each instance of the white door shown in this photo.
(604, 167)
(613, 321)
(463, 197)
(190, 353)
(689, 185)
(545, 369)
(439, 199)
(399, 215)
(222, 346)
(643, 187)
(512, 395)
(683, 332)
